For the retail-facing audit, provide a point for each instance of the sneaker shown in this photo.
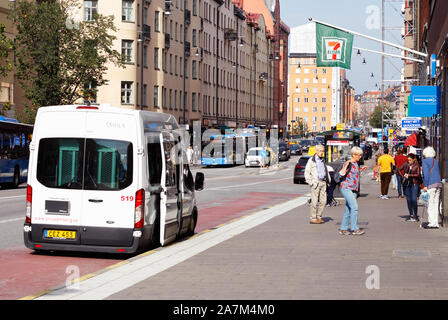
(345, 232)
(411, 219)
(358, 232)
(319, 220)
(314, 221)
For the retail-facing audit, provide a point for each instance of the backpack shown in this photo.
(337, 176)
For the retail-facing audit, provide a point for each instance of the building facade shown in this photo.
(321, 97)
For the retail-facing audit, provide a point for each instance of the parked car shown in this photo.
(305, 145)
(284, 153)
(299, 170)
(254, 157)
(295, 149)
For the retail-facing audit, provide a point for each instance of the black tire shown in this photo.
(16, 179)
(193, 223)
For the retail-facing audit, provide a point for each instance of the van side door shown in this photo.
(169, 196)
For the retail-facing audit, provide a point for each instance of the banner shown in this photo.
(425, 101)
(333, 47)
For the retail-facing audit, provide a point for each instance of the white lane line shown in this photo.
(245, 185)
(115, 280)
(12, 220)
(13, 197)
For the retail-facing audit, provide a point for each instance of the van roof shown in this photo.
(147, 116)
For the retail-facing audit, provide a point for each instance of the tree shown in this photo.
(57, 57)
(376, 117)
(6, 48)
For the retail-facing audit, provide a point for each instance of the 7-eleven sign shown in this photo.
(333, 47)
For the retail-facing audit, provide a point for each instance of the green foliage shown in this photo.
(376, 117)
(56, 57)
(6, 47)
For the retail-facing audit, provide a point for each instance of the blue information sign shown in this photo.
(424, 101)
(411, 123)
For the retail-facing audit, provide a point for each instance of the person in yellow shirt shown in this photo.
(385, 162)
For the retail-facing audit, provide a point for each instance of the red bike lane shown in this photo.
(24, 272)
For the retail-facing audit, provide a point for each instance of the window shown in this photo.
(305, 109)
(297, 80)
(156, 58)
(194, 38)
(306, 99)
(193, 101)
(89, 164)
(324, 71)
(324, 109)
(89, 93)
(127, 11)
(324, 99)
(314, 109)
(307, 71)
(324, 80)
(127, 53)
(297, 70)
(297, 99)
(90, 9)
(126, 92)
(163, 97)
(314, 99)
(144, 95)
(306, 90)
(145, 56)
(194, 69)
(297, 109)
(306, 80)
(156, 96)
(156, 21)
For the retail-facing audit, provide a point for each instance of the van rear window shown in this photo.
(91, 164)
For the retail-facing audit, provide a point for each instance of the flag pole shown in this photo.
(371, 38)
(390, 55)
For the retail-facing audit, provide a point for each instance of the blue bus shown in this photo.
(15, 139)
(227, 149)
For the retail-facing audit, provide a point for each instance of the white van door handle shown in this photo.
(95, 200)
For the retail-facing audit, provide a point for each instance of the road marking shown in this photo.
(13, 197)
(11, 220)
(246, 185)
(136, 270)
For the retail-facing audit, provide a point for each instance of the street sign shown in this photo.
(380, 136)
(424, 101)
(411, 123)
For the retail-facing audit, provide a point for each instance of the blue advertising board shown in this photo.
(424, 101)
(433, 65)
(411, 123)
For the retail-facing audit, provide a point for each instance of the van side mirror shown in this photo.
(199, 181)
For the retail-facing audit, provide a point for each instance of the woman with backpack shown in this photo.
(350, 177)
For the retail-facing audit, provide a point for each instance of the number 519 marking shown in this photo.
(127, 198)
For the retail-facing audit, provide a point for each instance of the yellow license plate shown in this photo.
(59, 234)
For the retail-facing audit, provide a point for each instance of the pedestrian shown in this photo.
(385, 162)
(399, 160)
(331, 187)
(190, 155)
(263, 155)
(433, 185)
(411, 185)
(350, 174)
(318, 177)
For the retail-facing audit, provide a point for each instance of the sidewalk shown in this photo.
(287, 258)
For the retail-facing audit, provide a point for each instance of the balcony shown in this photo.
(167, 40)
(187, 17)
(146, 33)
(230, 34)
(187, 49)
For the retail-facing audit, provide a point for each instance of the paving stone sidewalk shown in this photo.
(287, 258)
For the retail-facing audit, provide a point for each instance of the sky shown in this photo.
(363, 16)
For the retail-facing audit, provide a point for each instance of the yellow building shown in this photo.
(310, 93)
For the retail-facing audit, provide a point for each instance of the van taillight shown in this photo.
(87, 108)
(29, 199)
(139, 216)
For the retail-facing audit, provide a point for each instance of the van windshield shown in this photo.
(91, 164)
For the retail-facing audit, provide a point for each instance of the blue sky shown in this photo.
(363, 16)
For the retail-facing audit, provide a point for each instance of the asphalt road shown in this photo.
(229, 193)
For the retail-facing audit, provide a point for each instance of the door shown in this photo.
(169, 196)
(108, 199)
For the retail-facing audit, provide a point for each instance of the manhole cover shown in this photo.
(411, 253)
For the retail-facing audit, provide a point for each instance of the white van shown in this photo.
(108, 179)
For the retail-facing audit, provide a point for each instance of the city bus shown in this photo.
(15, 139)
(227, 149)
